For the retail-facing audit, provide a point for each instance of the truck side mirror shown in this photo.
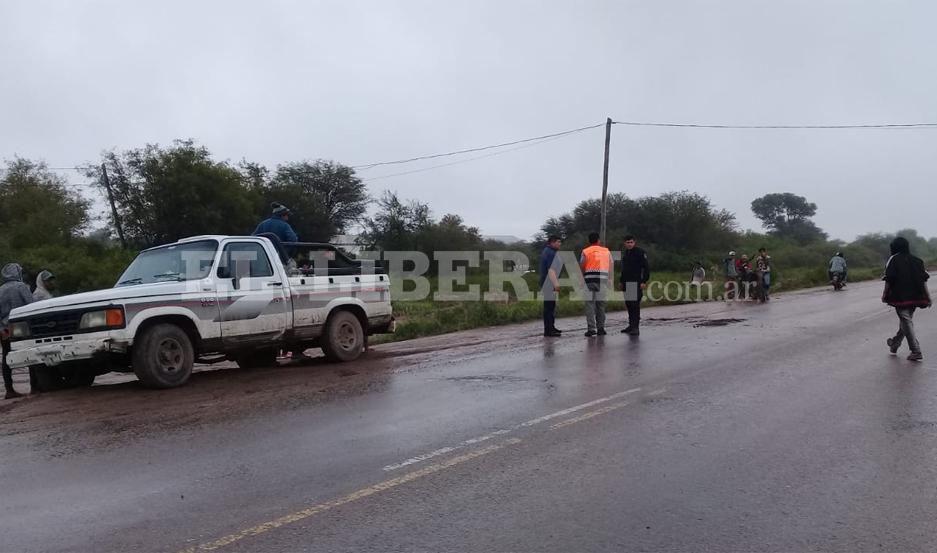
(225, 273)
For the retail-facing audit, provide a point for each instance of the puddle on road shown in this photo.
(696, 322)
(493, 378)
(717, 322)
(909, 425)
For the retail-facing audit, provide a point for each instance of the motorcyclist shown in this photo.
(838, 265)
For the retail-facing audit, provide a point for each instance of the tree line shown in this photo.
(680, 228)
(163, 193)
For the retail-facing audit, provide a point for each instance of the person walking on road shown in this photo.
(905, 290)
(635, 274)
(596, 264)
(550, 285)
(13, 293)
(745, 276)
(763, 274)
(731, 274)
(45, 284)
(278, 224)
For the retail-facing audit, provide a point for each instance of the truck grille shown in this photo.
(54, 324)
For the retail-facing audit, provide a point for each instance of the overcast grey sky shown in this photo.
(364, 81)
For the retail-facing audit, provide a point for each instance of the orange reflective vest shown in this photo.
(596, 263)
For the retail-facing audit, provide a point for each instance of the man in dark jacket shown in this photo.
(550, 285)
(635, 273)
(13, 293)
(278, 224)
(905, 290)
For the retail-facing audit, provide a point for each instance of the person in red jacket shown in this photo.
(905, 290)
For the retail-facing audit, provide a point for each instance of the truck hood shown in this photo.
(108, 296)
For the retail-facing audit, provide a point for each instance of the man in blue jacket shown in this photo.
(550, 285)
(278, 224)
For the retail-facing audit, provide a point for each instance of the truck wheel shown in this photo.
(344, 338)
(257, 359)
(45, 378)
(163, 356)
(79, 378)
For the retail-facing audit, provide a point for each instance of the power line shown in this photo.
(431, 167)
(780, 127)
(478, 149)
(540, 138)
(69, 184)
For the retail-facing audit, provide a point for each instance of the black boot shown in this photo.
(8, 379)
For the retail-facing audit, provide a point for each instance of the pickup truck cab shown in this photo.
(205, 299)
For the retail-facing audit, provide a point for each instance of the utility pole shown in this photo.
(608, 139)
(110, 198)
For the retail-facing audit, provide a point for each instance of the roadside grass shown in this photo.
(429, 317)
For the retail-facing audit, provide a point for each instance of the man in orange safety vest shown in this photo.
(596, 265)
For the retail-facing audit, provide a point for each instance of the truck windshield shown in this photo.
(177, 262)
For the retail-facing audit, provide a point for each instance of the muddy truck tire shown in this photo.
(49, 379)
(45, 379)
(344, 338)
(163, 356)
(257, 359)
(79, 377)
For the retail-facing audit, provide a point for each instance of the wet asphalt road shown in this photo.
(779, 427)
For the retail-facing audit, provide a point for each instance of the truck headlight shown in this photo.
(106, 318)
(19, 330)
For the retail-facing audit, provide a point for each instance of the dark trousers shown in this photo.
(633, 290)
(7, 371)
(549, 315)
(634, 313)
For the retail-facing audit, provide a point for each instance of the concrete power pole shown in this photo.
(110, 198)
(608, 139)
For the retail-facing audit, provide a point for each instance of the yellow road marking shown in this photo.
(354, 496)
(589, 415)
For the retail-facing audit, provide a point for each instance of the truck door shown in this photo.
(252, 296)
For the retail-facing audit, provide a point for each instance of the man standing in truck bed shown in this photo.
(278, 224)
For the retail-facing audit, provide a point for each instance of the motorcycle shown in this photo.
(837, 281)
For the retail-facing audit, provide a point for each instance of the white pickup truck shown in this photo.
(205, 299)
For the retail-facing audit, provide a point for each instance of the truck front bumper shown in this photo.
(52, 352)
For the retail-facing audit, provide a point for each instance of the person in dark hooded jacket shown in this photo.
(905, 290)
(13, 293)
(278, 224)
